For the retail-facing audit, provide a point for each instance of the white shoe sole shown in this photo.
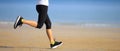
(18, 18)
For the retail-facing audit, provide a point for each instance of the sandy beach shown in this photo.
(74, 37)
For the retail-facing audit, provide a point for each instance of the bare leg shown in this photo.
(50, 36)
(29, 22)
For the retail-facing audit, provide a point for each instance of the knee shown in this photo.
(39, 26)
(48, 26)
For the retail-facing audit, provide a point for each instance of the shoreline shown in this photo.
(87, 25)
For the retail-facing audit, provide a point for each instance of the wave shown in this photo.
(114, 25)
(2, 22)
(100, 25)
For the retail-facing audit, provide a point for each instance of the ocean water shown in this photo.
(85, 12)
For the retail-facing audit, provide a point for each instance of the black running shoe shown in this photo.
(56, 44)
(18, 22)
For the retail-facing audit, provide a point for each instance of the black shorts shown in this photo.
(43, 16)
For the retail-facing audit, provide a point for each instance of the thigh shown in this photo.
(42, 14)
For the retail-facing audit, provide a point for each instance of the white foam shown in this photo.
(100, 25)
(6, 22)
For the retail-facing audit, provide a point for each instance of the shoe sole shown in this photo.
(57, 46)
(16, 22)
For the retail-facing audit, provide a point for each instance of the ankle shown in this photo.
(22, 20)
(52, 42)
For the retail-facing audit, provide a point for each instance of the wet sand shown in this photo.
(74, 37)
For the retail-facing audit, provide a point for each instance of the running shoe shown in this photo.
(18, 22)
(57, 44)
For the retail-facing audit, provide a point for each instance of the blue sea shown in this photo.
(85, 12)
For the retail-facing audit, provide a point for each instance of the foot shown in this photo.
(18, 22)
(56, 44)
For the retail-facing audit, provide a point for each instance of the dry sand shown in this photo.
(75, 38)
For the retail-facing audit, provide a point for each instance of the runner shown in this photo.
(43, 18)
